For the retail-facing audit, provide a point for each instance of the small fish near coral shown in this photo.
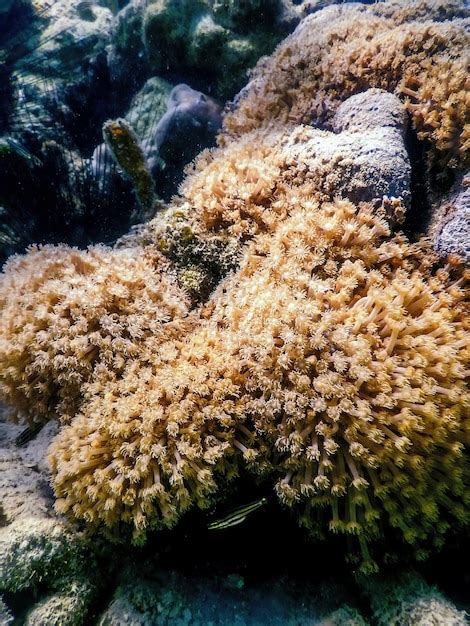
(237, 515)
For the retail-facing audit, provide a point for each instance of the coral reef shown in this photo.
(329, 365)
(333, 352)
(223, 201)
(337, 370)
(232, 191)
(416, 50)
(69, 317)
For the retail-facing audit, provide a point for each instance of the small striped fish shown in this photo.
(15, 147)
(28, 434)
(236, 516)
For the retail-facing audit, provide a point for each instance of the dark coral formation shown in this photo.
(220, 40)
(128, 153)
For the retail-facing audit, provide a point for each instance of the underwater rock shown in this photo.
(147, 108)
(59, 121)
(168, 597)
(50, 194)
(367, 163)
(291, 12)
(370, 109)
(407, 600)
(190, 114)
(54, 62)
(366, 158)
(126, 55)
(68, 607)
(69, 37)
(450, 223)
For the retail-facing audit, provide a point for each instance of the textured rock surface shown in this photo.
(175, 599)
(450, 222)
(126, 55)
(52, 55)
(371, 109)
(148, 106)
(71, 34)
(367, 150)
(65, 608)
(37, 549)
(409, 601)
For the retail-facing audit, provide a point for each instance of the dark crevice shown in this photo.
(3, 518)
(419, 212)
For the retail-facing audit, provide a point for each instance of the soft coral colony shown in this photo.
(332, 363)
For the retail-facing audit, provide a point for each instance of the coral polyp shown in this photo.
(71, 317)
(333, 363)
